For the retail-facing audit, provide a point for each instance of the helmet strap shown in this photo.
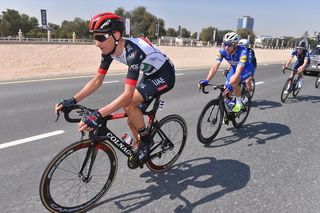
(115, 43)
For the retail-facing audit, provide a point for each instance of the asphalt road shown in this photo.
(271, 164)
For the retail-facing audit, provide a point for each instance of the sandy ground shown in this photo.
(31, 61)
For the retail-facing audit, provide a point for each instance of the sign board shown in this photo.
(127, 26)
(44, 19)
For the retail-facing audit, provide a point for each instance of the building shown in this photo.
(245, 22)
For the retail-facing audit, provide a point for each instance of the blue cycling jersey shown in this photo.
(301, 57)
(239, 58)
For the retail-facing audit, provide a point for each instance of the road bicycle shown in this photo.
(317, 83)
(217, 111)
(291, 85)
(78, 176)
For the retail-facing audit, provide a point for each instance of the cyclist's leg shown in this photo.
(148, 88)
(246, 75)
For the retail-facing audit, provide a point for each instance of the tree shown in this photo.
(172, 32)
(244, 33)
(207, 34)
(11, 22)
(185, 33)
(194, 35)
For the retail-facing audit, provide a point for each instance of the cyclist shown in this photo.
(140, 55)
(303, 61)
(241, 67)
(252, 58)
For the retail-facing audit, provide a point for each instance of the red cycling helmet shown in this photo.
(106, 23)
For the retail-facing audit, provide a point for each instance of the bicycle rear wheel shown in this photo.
(170, 140)
(253, 87)
(317, 83)
(284, 94)
(210, 121)
(64, 189)
(241, 117)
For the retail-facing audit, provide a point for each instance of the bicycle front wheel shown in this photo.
(210, 121)
(296, 88)
(64, 188)
(170, 139)
(317, 83)
(285, 92)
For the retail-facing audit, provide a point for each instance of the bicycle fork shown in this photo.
(90, 155)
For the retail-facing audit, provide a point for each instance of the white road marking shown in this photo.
(177, 74)
(110, 82)
(260, 82)
(30, 139)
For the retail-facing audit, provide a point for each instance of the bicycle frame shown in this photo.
(103, 133)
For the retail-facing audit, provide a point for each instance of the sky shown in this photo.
(273, 17)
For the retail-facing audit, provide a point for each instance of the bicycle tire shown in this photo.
(253, 87)
(317, 83)
(284, 96)
(177, 137)
(295, 89)
(237, 122)
(54, 190)
(205, 122)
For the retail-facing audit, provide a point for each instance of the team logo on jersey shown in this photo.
(134, 67)
(218, 55)
(131, 56)
(243, 59)
(129, 48)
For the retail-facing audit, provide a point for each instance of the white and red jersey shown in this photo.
(140, 55)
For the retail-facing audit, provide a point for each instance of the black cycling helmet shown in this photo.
(106, 23)
(301, 45)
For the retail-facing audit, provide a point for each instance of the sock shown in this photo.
(144, 135)
(238, 100)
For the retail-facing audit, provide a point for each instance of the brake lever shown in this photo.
(82, 135)
(58, 115)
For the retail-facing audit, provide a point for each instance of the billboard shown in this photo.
(44, 19)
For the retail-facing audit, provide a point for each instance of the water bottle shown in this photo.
(127, 139)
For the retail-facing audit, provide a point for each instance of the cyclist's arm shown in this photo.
(215, 66)
(289, 61)
(213, 70)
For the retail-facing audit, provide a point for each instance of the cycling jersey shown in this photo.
(301, 58)
(239, 58)
(140, 55)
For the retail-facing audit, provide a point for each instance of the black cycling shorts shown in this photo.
(151, 86)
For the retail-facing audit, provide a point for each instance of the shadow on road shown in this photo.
(218, 177)
(265, 104)
(261, 131)
(307, 98)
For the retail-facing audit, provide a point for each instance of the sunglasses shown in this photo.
(228, 44)
(101, 38)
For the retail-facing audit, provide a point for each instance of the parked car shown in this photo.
(314, 67)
